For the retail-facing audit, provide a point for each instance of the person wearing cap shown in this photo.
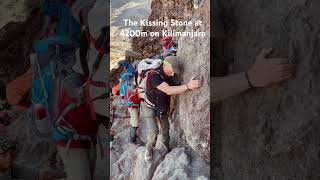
(166, 53)
(131, 56)
(166, 43)
(133, 110)
(9, 170)
(159, 90)
(168, 47)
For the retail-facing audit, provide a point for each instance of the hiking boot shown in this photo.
(148, 155)
(133, 135)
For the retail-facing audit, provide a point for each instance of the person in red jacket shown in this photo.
(133, 109)
(168, 47)
(134, 116)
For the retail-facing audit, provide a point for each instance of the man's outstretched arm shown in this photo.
(224, 87)
(174, 90)
(264, 72)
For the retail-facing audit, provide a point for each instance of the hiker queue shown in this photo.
(149, 84)
(62, 101)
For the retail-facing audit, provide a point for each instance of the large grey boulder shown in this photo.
(143, 170)
(194, 106)
(175, 165)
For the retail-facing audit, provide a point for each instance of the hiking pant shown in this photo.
(134, 117)
(79, 164)
(156, 126)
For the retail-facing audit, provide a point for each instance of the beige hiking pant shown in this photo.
(79, 164)
(134, 117)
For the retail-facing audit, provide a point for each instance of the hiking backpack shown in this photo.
(59, 12)
(128, 85)
(145, 67)
(69, 20)
(51, 60)
(128, 93)
(62, 106)
(57, 89)
(75, 122)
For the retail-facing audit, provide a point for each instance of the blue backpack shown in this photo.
(51, 62)
(128, 89)
(59, 95)
(128, 85)
(68, 26)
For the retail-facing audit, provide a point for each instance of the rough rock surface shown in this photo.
(176, 165)
(162, 10)
(194, 107)
(141, 169)
(12, 11)
(16, 43)
(33, 150)
(272, 133)
(127, 160)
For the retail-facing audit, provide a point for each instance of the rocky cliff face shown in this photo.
(163, 11)
(190, 124)
(194, 107)
(16, 43)
(272, 133)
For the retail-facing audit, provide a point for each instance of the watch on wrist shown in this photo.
(188, 87)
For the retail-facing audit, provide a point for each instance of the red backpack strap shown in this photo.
(93, 41)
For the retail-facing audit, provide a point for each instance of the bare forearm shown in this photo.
(173, 90)
(224, 87)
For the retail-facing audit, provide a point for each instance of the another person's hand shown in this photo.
(266, 71)
(194, 84)
(51, 174)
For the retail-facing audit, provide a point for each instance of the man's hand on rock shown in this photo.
(266, 71)
(194, 84)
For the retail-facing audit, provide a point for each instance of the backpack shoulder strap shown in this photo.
(65, 112)
(155, 71)
(148, 71)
